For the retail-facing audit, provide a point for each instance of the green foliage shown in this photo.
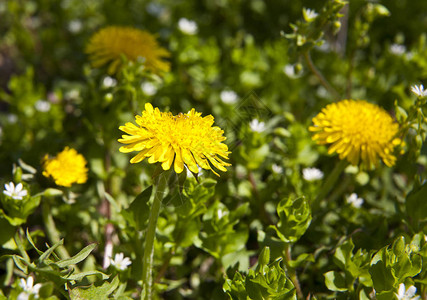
(393, 264)
(353, 266)
(267, 281)
(16, 212)
(100, 292)
(295, 218)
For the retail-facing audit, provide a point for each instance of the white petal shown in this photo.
(18, 187)
(10, 187)
(7, 193)
(410, 292)
(36, 288)
(23, 283)
(30, 282)
(401, 292)
(23, 296)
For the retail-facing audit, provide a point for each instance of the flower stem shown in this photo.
(321, 78)
(147, 278)
(52, 231)
(291, 271)
(329, 183)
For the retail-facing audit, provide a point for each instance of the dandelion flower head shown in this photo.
(110, 43)
(358, 131)
(66, 168)
(185, 139)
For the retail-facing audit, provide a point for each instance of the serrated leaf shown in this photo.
(94, 292)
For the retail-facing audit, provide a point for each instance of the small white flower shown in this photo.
(355, 201)
(29, 288)
(309, 14)
(407, 294)
(257, 126)
(75, 26)
(120, 262)
(277, 169)
(312, 174)
(228, 97)
(109, 82)
(148, 88)
(16, 193)
(42, 105)
(397, 49)
(187, 26)
(419, 90)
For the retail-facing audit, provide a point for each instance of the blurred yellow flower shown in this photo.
(185, 139)
(357, 131)
(66, 168)
(110, 43)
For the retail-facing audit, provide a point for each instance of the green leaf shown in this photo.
(399, 246)
(335, 281)
(49, 251)
(263, 259)
(416, 206)
(94, 292)
(139, 209)
(81, 275)
(21, 263)
(76, 258)
(301, 259)
(30, 239)
(7, 231)
(382, 276)
(343, 254)
(385, 295)
(46, 290)
(295, 218)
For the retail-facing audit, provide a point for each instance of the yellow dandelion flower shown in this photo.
(185, 139)
(357, 131)
(110, 43)
(66, 168)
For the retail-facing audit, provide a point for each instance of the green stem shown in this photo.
(147, 278)
(321, 78)
(329, 183)
(52, 232)
(291, 271)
